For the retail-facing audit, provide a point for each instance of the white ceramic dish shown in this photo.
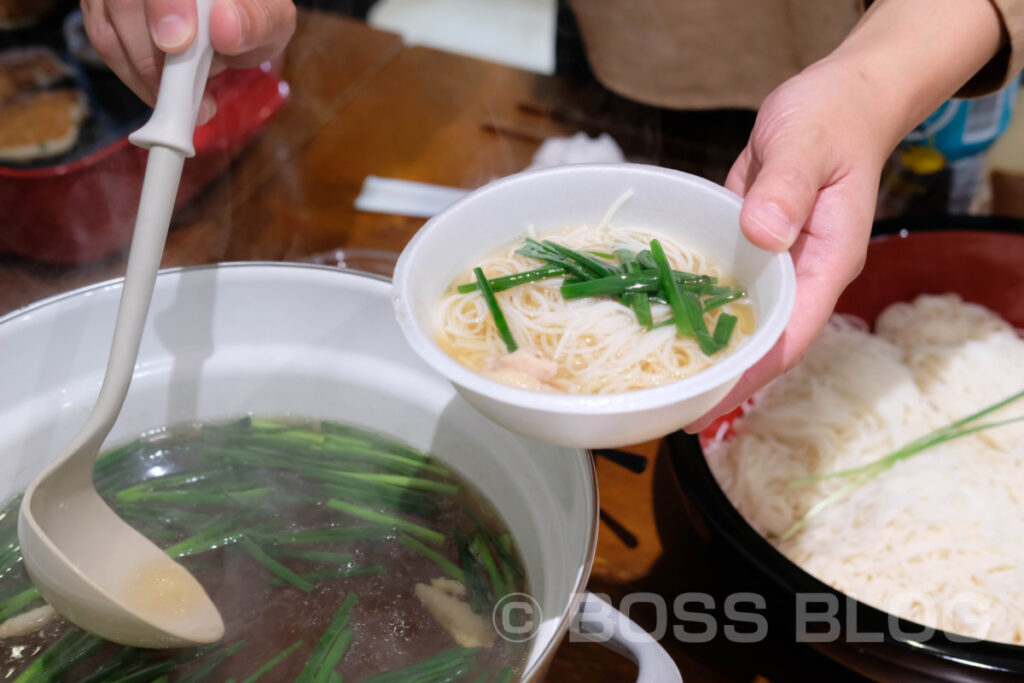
(700, 213)
(310, 341)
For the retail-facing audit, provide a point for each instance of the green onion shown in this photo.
(334, 655)
(723, 330)
(865, 473)
(407, 482)
(311, 671)
(478, 546)
(534, 249)
(476, 585)
(429, 669)
(592, 265)
(312, 555)
(275, 567)
(273, 662)
(714, 302)
(378, 518)
(640, 302)
(504, 676)
(197, 497)
(446, 565)
(492, 305)
(71, 648)
(210, 664)
(336, 573)
(13, 606)
(500, 284)
(671, 289)
(330, 535)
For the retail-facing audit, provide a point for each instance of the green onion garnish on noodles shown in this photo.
(499, 317)
(864, 473)
(500, 284)
(672, 291)
(640, 302)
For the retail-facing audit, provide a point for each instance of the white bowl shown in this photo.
(314, 342)
(697, 211)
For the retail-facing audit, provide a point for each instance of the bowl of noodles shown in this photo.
(877, 483)
(592, 305)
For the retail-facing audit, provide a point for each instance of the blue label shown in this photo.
(963, 128)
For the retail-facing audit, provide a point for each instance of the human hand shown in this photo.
(809, 176)
(132, 36)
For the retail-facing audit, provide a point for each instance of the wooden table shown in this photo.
(363, 104)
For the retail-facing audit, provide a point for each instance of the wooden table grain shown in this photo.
(361, 103)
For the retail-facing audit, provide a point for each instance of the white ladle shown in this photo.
(93, 568)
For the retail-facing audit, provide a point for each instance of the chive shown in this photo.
(723, 299)
(112, 457)
(723, 330)
(15, 605)
(402, 500)
(671, 289)
(478, 546)
(504, 676)
(69, 650)
(337, 573)
(601, 254)
(446, 565)
(510, 566)
(200, 542)
(646, 260)
(407, 482)
(534, 249)
(321, 649)
(865, 473)
(374, 439)
(499, 317)
(312, 555)
(613, 285)
(475, 584)
(334, 655)
(443, 661)
(275, 567)
(335, 445)
(330, 535)
(378, 518)
(210, 664)
(500, 284)
(695, 314)
(640, 302)
(273, 662)
(197, 497)
(592, 265)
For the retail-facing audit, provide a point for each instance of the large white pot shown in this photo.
(282, 339)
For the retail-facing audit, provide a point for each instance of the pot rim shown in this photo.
(589, 470)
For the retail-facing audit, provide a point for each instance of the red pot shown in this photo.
(84, 209)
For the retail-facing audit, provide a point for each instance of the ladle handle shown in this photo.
(181, 92)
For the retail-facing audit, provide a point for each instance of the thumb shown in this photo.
(782, 195)
(172, 23)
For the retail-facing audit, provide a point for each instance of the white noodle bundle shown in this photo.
(596, 342)
(935, 539)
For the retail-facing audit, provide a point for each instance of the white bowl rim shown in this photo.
(588, 467)
(640, 400)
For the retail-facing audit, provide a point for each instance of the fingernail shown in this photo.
(243, 24)
(769, 217)
(171, 32)
(207, 110)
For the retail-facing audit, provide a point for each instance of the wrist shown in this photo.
(906, 57)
